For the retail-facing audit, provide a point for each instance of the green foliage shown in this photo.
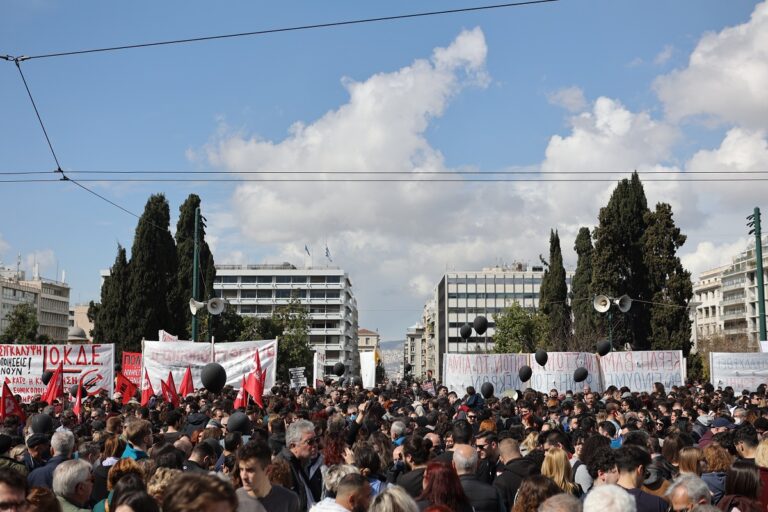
(553, 297)
(153, 301)
(259, 329)
(670, 325)
(227, 326)
(584, 315)
(185, 245)
(519, 330)
(109, 317)
(293, 349)
(22, 325)
(618, 263)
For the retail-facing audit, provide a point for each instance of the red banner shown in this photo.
(132, 366)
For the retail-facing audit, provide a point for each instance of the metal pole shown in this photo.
(195, 264)
(610, 329)
(759, 271)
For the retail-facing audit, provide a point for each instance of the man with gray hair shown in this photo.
(609, 498)
(561, 503)
(73, 484)
(301, 453)
(482, 496)
(62, 446)
(687, 491)
(397, 433)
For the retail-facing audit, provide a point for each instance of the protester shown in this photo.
(742, 488)
(443, 487)
(688, 491)
(609, 498)
(73, 483)
(534, 491)
(13, 489)
(718, 461)
(482, 496)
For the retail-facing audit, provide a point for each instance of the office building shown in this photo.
(258, 290)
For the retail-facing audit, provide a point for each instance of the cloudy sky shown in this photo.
(676, 90)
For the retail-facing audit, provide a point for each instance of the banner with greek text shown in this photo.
(740, 370)
(131, 367)
(501, 370)
(319, 368)
(23, 366)
(237, 358)
(639, 370)
(558, 372)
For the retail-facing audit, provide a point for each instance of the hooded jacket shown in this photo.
(511, 476)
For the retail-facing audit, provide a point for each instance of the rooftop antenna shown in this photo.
(18, 266)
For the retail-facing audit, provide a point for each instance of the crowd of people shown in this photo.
(402, 447)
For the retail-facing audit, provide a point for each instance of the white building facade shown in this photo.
(50, 299)
(258, 290)
(462, 296)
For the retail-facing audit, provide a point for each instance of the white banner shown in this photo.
(368, 369)
(23, 366)
(738, 370)
(639, 370)
(319, 368)
(501, 370)
(166, 336)
(237, 358)
(558, 372)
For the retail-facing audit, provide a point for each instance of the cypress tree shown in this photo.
(670, 283)
(584, 315)
(109, 317)
(618, 264)
(553, 297)
(153, 302)
(185, 245)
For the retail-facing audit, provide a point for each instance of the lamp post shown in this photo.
(754, 223)
(604, 303)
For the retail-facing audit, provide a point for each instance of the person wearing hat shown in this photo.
(718, 425)
(38, 451)
(6, 443)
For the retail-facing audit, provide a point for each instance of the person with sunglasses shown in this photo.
(302, 454)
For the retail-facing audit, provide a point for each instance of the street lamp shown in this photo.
(603, 304)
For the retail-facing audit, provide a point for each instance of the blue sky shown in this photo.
(562, 86)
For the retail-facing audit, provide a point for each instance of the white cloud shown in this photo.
(726, 77)
(664, 55)
(570, 98)
(708, 255)
(46, 261)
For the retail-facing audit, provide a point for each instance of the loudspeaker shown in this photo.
(216, 306)
(195, 306)
(601, 303)
(623, 303)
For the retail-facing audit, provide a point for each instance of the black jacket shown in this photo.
(412, 482)
(488, 469)
(302, 481)
(512, 475)
(483, 497)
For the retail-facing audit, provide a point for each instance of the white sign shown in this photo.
(166, 336)
(639, 370)
(237, 358)
(319, 368)
(738, 370)
(501, 370)
(558, 372)
(23, 367)
(298, 377)
(764, 346)
(368, 369)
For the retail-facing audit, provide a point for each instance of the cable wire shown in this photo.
(286, 29)
(725, 179)
(395, 172)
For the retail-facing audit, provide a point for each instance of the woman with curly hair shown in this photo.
(443, 487)
(532, 493)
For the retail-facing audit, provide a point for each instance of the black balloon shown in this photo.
(480, 324)
(603, 347)
(408, 367)
(541, 357)
(47, 377)
(486, 389)
(338, 369)
(73, 391)
(41, 424)
(580, 374)
(525, 373)
(466, 331)
(214, 377)
(239, 422)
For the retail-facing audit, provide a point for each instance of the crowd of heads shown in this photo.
(407, 446)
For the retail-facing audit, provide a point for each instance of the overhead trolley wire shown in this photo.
(671, 173)
(458, 179)
(283, 29)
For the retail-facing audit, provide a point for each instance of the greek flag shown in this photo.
(328, 253)
(306, 249)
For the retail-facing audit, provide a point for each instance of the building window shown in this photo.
(248, 279)
(230, 279)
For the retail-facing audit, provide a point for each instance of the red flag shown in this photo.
(78, 408)
(175, 400)
(9, 406)
(242, 395)
(125, 387)
(187, 387)
(255, 383)
(146, 390)
(55, 387)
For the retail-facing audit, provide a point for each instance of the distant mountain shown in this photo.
(392, 345)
